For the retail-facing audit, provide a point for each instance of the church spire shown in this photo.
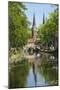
(34, 19)
(33, 25)
(43, 18)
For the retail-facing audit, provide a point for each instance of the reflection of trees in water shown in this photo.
(50, 75)
(46, 69)
(18, 75)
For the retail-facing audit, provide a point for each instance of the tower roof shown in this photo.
(33, 25)
(33, 19)
(43, 18)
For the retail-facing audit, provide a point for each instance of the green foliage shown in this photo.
(48, 31)
(18, 24)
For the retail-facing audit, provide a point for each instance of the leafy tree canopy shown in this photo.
(18, 24)
(48, 31)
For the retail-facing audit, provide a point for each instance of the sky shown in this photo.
(38, 9)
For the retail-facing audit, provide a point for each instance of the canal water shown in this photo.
(37, 71)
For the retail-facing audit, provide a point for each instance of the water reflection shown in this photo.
(18, 75)
(49, 69)
(39, 71)
(34, 73)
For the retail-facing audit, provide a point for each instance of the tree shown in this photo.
(48, 32)
(18, 24)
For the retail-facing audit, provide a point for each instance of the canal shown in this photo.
(36, 71)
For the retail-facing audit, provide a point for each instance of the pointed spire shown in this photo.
(33, 25)
(43, 18)
(34, 19)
